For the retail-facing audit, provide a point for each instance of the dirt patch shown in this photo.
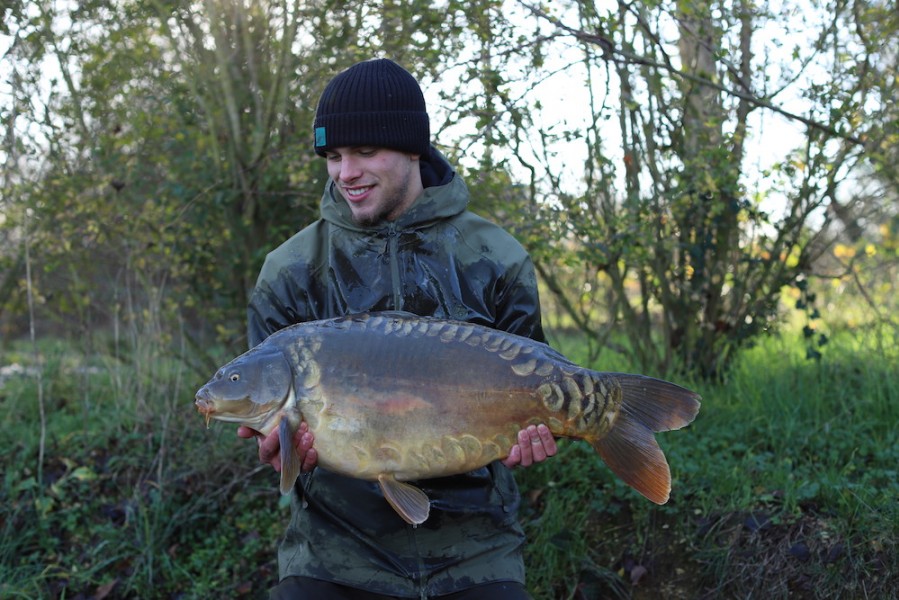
(730, 555)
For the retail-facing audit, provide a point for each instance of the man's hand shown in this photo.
(535, 444)
(270, 446)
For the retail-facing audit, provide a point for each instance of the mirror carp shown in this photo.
(393, 397)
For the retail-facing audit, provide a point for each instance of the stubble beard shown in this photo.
(393, 202)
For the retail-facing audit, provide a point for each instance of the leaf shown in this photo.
(29, 483)
(104, 590)
(637, 573)
(83, 474)
(44, 505)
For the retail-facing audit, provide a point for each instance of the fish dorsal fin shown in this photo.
(408, 501)
(290, 460)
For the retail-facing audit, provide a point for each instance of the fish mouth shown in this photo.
(205, 405)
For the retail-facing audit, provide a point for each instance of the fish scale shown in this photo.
(396, 398)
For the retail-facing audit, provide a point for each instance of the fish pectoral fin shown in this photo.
(290, 460)
(408, 501)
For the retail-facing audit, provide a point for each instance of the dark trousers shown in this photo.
(303, 588)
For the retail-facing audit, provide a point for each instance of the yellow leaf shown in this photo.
(84, 474)
(843, 251)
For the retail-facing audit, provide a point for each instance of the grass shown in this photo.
(785, 486)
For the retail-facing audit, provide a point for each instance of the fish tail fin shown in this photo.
(290, 460)
(647, 406)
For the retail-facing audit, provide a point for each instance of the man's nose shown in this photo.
(349, 169)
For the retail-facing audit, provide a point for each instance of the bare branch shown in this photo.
(619, 55)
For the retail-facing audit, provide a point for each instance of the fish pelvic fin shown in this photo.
(647, 406)
(408, 501)
(290, 460)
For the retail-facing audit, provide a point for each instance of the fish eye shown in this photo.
(235, 377)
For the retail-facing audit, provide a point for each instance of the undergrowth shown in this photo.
(785, 486)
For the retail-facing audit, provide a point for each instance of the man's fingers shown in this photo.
(270, 450)
(514, 456)
(306, 452)
(538, 452)
(246, 433)
(270, 446)
(309, 460)
(303, 441)
(547, 441)
(527, 448)
(535, 444)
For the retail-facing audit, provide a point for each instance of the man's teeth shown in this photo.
(358, 191)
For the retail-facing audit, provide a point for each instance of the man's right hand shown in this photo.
(270, 446)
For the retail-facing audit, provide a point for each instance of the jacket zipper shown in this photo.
(421, 578)
(393, 244)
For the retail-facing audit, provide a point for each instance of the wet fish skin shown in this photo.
(394, 397)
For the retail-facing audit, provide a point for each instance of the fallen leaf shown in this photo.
(637, 574)
(105, 589)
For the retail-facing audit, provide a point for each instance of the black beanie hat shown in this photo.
(373, 103)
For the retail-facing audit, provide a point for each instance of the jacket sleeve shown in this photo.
(518, 301)
(284, 292)
(276, 302)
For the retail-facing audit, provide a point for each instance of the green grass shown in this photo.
(785, 486)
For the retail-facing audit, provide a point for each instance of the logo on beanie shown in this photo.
(320, 137)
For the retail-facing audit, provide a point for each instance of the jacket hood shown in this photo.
(445, 195)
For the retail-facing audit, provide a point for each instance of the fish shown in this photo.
(396, 398)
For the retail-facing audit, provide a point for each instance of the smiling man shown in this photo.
(395, 234)
(378, 184)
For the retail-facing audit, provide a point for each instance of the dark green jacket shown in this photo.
(437, 259)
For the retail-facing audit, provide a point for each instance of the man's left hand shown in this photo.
(535, 444)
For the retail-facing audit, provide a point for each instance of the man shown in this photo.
(394, 234)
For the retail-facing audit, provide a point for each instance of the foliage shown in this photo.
(173, 142)
(690, 213)
(785, 486)
(155, 151)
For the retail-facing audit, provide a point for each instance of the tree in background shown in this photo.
(669, 236)
(158, 156)
(169, 148)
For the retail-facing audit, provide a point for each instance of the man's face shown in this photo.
(377, 183)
